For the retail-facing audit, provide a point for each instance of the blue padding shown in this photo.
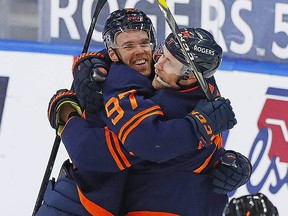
(53, 48)
(228, 64)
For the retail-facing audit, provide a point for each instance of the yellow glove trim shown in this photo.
(61, 124)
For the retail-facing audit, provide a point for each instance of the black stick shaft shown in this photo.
(98, 8)
(184, 47)
(47, 174)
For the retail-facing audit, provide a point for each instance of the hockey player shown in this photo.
(190, 189)
(75, 118)
(252, 205)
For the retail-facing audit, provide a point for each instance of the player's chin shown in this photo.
(144, 69)
(156, 84)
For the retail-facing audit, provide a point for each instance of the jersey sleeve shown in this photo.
(95, 149)
(141, 127)
(140, 123)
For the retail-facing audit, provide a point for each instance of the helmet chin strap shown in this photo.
(118, 56)
(179, 80)
(183, 87)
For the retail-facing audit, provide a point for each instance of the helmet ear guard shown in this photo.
(186, 72)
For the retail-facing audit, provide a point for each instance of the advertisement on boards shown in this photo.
(260, 103)
(238, 26)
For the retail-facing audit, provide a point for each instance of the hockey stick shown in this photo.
(98, 8)
(57, 140)
(184, 47)
(47, 174)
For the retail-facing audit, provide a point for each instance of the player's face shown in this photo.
(134, 49)
(167, 71)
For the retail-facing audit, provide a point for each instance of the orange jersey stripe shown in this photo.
(84, 115)
(211, 88)
(91, 207)
(113, 153)
(149, 213)
(218, 140)
(134, 125)
(190, 89)
(206, 162)
(135, 117)
(65, 126)
(122, 155)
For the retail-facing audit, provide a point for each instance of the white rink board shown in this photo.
(26, 137)
(247, 92)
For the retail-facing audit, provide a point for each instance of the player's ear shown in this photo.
(113, 55)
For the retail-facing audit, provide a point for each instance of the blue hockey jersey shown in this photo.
(150, 134)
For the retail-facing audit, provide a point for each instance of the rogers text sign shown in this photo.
(256, 30)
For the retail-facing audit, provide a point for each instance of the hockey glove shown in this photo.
(89, 71)
(233, 171)
(62, 96)
(212, 117)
